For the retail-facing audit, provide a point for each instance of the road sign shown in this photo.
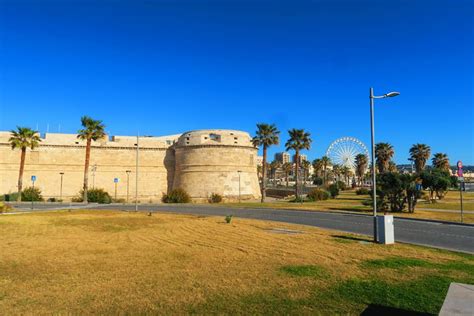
(116, 180)
(459, 164)
(33, 178)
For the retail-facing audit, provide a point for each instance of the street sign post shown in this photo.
(33, 179)
(461, 185)
(116, 180)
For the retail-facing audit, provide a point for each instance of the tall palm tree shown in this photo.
(266, 136)
(92, 131)
(346, 172)
(420, 154)
(383, 155)
(392, 166)
(317, 166)
(287, 168)
(326, 161)
(336, 170)
(361, 162)
(23, 138)
(299, 140)
(305, 164)
(441, 161)
(274, 165)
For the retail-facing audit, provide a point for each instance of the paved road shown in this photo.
(439, 235)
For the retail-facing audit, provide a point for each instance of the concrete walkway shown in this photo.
(459, 301)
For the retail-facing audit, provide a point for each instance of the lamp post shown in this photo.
(239, 172)
(372, 135)
(128, 182)
(136, 175)
(61, 188)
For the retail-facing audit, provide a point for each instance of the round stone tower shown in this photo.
(216, 161)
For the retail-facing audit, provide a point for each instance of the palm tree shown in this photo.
(326, 161)
(346, 172)
(299, 140)
(287, 168)
(266, 136)
(23, 138)
(420, 154)
(336, 170)
(392, 167)
(441, 161)
(361, 162)
(317, 166)
(274, 165)
(92, 131)
(383, 155)
(305, 164)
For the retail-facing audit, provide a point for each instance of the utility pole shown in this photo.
(136, 177)
(61, 188)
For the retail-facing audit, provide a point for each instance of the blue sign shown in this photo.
(33, 178)
(418, 187)
(116, 180)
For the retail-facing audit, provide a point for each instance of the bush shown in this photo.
(10, 197)
(31, 194)
(318, 195)
(362, 191)
(317, 181)
(333, 190)
(95, 196)
(176, 196)
(341, 185)
(4, 207)
(215, 198)
(52, 199)
(228, 219)
(297, 200)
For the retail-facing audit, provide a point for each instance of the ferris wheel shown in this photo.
(343, 151)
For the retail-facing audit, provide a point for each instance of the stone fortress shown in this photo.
(201, 162)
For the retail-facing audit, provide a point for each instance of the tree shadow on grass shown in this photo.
(351, 238)
(374, 309)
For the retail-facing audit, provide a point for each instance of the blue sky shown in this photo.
(164, 67)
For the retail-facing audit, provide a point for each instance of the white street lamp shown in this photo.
(372, 132)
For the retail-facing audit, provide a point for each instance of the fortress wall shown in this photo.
(209, 164)
(201, 162)
(60, 153)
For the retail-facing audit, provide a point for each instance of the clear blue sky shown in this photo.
(164, 67)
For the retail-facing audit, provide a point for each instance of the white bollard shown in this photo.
(385, 229)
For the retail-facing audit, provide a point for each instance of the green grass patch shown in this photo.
(423, 295)
(398, 263)
(304, 271)
(401, 263)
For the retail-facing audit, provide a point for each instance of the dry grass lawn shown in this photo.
(129, 263)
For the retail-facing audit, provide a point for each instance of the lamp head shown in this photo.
(392, 94)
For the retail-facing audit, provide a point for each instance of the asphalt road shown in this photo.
(433, 234)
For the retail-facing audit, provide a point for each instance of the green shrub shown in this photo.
(362, 191)
(31, 194)
(10, 197)
(228, 219)
(52, 199)
(95, 196)
(341, 185)
(176, 196)
(318, 195)
(317, 181)
(4, 207)
(333, 190)
(215, 198)
(297, 200)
